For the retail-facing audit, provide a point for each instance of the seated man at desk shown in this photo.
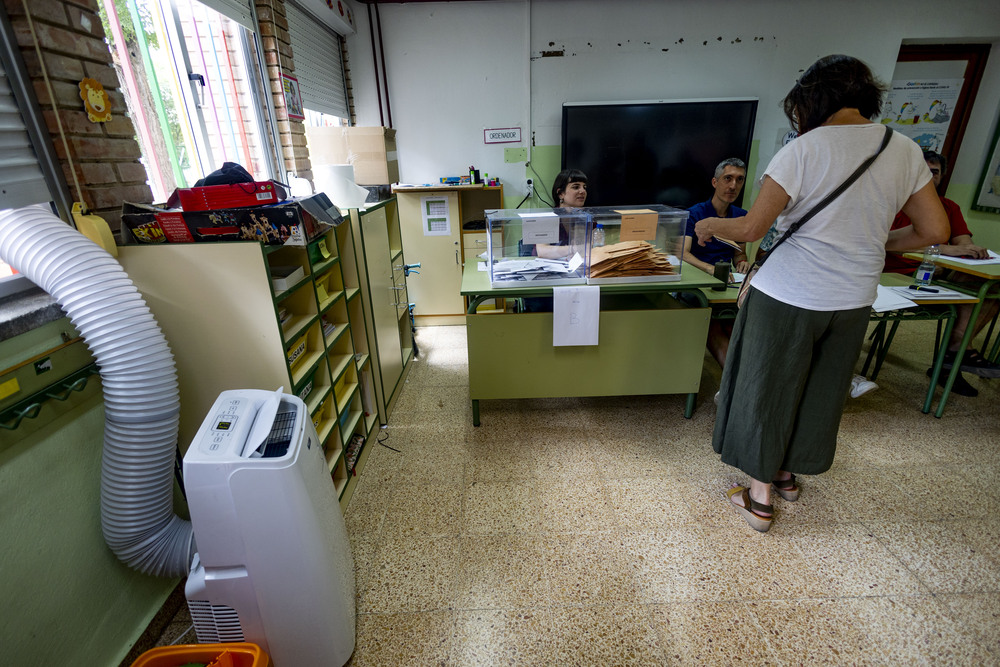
(728, 182)
(960, 245)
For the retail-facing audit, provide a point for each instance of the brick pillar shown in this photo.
(103, 157)
(278, 56)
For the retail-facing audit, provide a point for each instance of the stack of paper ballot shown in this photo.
(531, 268)
(629, 258)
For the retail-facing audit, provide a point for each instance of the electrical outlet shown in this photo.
(531, 189)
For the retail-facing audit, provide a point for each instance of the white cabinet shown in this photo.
(437, 290)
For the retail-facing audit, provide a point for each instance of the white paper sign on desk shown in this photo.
(576, 313)
(540, 228)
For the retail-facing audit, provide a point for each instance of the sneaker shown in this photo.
(860, 385)
(975, 363)
(716, 398)
(961, 386)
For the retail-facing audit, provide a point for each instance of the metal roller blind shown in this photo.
(21, 179)
(237, 10)
(318, 63)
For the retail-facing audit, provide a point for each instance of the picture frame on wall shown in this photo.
(293, 97)
(988, 194)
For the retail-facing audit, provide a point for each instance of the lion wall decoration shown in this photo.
(95, 101)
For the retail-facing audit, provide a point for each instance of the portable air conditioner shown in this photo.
(274, 563)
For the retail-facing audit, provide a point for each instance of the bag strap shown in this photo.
(833, 195)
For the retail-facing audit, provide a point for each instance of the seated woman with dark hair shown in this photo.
(569, 191)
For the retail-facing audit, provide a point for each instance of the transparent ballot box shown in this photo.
(632, 244)
(538, 247)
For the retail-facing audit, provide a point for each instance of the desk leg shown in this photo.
(876, 338)
(884, 350)
(939, 361)
(475, 412)
(689, 406)
(956, 368)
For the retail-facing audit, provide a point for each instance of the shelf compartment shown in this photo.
(335, 321)
(296, 311)
(356, 314)
(324, 418)
(303, 354)
(332, 332)
(349, 262)
(367, 393)
(329, 288)
(349, 421)
(345, 387)
(340, 477)
(354, 441)
(323, 252)
(287, 256)
(333, 452)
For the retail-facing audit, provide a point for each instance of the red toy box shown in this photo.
(233, 195)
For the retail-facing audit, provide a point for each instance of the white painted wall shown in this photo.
(455, 68)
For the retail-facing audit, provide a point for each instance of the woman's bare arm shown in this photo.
(929, 222)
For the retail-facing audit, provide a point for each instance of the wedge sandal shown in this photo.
(787, 488)
(750, 509)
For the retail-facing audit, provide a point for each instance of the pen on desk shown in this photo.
(924, 289)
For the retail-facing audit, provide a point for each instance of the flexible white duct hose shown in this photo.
(141, 400)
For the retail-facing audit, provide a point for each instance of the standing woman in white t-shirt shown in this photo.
(800, 331)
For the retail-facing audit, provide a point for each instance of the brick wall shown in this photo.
(279, 58)
(103, 157)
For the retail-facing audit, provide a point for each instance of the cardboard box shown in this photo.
(293, 222)
(372, 151)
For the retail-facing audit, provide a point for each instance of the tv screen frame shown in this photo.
(655, 151)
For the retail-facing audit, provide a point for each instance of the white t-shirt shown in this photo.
(833, 262)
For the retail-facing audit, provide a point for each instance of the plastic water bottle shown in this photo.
(598, 239)
(925, 272)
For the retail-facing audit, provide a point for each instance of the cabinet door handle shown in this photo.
(456, 257)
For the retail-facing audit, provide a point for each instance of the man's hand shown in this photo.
(964, 250)
(742, 266)
(703, 229)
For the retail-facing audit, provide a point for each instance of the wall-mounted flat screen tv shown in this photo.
(655, 152)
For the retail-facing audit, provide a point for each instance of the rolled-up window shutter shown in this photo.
(237, 10)
(318, 63)
(21, 179)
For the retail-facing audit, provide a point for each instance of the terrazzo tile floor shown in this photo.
(594, 531)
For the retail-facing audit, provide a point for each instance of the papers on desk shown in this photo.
(940, 293)
(737, 277)
(994, 258)
(524, 269)
(889, 299)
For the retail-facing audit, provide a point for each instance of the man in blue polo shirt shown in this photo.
(728, 183)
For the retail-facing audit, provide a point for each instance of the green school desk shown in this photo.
(648, 343)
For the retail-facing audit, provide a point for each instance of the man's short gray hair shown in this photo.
(731, 162)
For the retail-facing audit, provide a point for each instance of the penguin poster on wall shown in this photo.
(922, 109)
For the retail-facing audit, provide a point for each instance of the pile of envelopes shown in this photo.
(629, 258)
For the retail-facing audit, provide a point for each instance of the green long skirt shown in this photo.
(786, 378)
